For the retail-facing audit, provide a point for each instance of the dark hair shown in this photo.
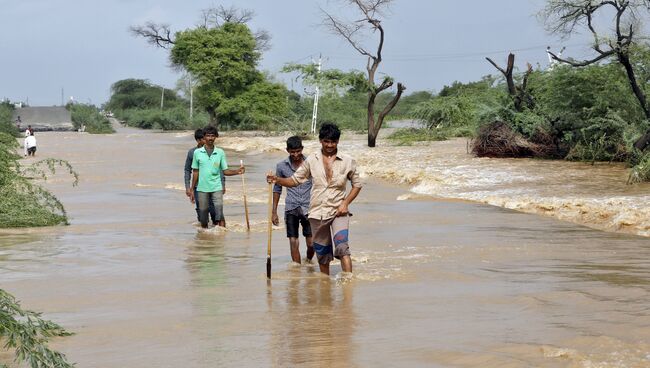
(198, 134)
(294, 142)
(329, 131)
(210, 129)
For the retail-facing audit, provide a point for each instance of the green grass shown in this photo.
(408, 136)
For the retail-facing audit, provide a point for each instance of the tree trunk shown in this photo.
(372, 135)
(214, 120)
(643, 142)
(372, 132)
(625, 61)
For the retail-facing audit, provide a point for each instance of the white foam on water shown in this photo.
(593, 195)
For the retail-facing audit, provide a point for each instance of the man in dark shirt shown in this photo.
(297, 200)
(198, 136)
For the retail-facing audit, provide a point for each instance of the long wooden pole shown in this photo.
(243, 184)
(268, 250)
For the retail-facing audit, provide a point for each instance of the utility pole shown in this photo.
(314, 114)
(61, 96)
(162, 98)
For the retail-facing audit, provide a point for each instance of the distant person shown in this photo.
(198, 136)
(208, 163)
(328, 207)
(18, 123)
(296, 204)
(30, 145)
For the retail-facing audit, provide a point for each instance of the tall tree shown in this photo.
(223, 54)
(567, 17)
(370, 12)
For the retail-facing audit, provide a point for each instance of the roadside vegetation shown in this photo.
(28, 335)
(24, 203)
(88, 118)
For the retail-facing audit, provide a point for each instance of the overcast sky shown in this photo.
(83, 46)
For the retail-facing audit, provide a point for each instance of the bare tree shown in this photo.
(155, 34)
(518, 93)
(217, 16)
(565, 17)
(370, 11)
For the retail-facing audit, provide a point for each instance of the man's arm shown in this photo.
(274, 216)
(343, 208)
(285, 182)
(188, 173)
(195, 180)
(277, 192)
(231, 172)
(223, 183)
(300, 176)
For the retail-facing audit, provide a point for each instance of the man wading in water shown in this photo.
(207, 165)
(200, 141)
(328, 207)
(296, 204)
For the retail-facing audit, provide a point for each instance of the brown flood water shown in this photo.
(438, 283)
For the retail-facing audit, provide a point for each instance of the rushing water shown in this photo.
(438, 282)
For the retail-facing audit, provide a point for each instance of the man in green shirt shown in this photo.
(207, 165)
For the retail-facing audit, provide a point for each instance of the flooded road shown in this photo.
(438, 283)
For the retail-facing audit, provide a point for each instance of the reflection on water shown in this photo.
(437, 283)
(313, 324)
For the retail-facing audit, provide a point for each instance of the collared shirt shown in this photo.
(188, 170)
(297, 197)
(327, 196)
(210, 168)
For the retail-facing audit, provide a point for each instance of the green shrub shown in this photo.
(171, 119)
(89, 117)
(28, 334)
(407, 136)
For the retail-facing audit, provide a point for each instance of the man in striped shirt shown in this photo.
(296, 204)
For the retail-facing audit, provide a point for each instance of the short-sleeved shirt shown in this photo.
(210, 168)
(188, 170)
(326, 196)
(297, 197)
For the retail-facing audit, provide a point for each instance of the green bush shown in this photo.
(407, 136)
(6, 116)
(89, 117)
(28, 335)
(171, 119)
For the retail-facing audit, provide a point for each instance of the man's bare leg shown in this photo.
(294, 243)
(310, 248)
(324, 268)
(346, 264)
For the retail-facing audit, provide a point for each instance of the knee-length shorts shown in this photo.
(330, 238)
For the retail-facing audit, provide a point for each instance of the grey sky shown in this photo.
(84, 46)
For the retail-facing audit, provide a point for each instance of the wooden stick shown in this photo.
(268, 251)
(243, 184)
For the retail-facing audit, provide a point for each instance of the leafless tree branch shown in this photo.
(155, 34)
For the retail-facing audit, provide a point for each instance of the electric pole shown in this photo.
(162, 98)
(314, 114)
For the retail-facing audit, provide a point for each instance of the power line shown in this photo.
(449, 56)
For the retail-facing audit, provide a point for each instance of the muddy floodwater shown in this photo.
(441, 278)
